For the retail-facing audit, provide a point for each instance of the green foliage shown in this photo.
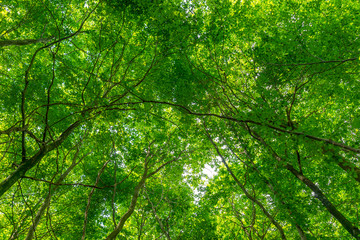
(112, 113)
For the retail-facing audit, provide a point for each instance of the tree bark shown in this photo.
(23, 42)
(267, 214)
(354, 231)
(137, 189)
(272, 188)
(30, 163)
(131, 208)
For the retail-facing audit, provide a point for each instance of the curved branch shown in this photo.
(30, 163)
(261, 206)
(187, 110)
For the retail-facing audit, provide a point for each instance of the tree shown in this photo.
(111, 111)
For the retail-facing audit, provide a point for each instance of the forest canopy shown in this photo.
(179, 119)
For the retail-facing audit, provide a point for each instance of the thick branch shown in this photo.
(261, 206)
(354, 231)
(187, 110)
(137, 189)
(23, 42)
(131, 208)
(30, 163)
(12, 129)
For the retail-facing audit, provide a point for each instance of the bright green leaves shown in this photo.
(356, 123)
(273, 84)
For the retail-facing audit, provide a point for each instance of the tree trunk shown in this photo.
(23, 42)
(354, 231)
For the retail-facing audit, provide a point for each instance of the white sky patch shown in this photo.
(209, 171)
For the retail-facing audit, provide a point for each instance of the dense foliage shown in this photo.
(112, 113)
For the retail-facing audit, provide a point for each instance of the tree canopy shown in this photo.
(113, 113)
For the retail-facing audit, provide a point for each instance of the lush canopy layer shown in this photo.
(111, 112)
